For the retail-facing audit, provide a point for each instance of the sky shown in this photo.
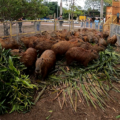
(77, 2)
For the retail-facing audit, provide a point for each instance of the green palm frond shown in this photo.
(88, 85)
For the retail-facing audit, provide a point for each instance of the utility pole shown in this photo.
(57, 8)
(61, 7)
(72, 14)
(72, 9)
(69, 11)
(101, 9)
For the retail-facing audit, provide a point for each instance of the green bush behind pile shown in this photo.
(16, 90)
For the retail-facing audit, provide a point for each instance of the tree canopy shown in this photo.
(53, 6)
(77, 12)
(95, 4)
(14, 9)
(53, 9)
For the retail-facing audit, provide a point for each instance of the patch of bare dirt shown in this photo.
(42, 109)
(46, 104)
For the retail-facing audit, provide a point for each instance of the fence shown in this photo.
(27, 27)
(112, 19)
(115, 30)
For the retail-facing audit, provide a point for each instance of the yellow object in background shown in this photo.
(82, 17)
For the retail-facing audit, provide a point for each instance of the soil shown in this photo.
(29, 28)
(46, 107)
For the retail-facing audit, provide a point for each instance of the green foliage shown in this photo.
(88, 84)
(14, 9)
(16, 89)
(117, 116)
(53, 9)
(78, 11)
(93, 4)
(52, 6)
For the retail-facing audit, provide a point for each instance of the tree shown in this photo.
(14, 9)
(52, 6)
(77, 12)
(65, 13)
(101, 10)
(53, 9)
(95, 4)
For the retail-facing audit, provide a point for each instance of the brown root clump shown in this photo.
(112, 40)
(28, 57)
(102, 42)
(45, 63)
(9, 43)
(80, 55)
(61, 47)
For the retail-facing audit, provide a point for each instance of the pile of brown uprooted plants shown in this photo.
(78, 66)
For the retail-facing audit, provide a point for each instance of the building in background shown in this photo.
(113, 10)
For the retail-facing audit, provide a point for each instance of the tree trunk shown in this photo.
(61, 7)
(101, 9)
(6, 28)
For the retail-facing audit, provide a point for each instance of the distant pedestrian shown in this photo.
(101, 24)
(20, 24)
(117, 17)
(104, 20)
(60, 22)
(87, 22)
(82, 22)
(96, 23)
(91, 21)
(38, 25)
